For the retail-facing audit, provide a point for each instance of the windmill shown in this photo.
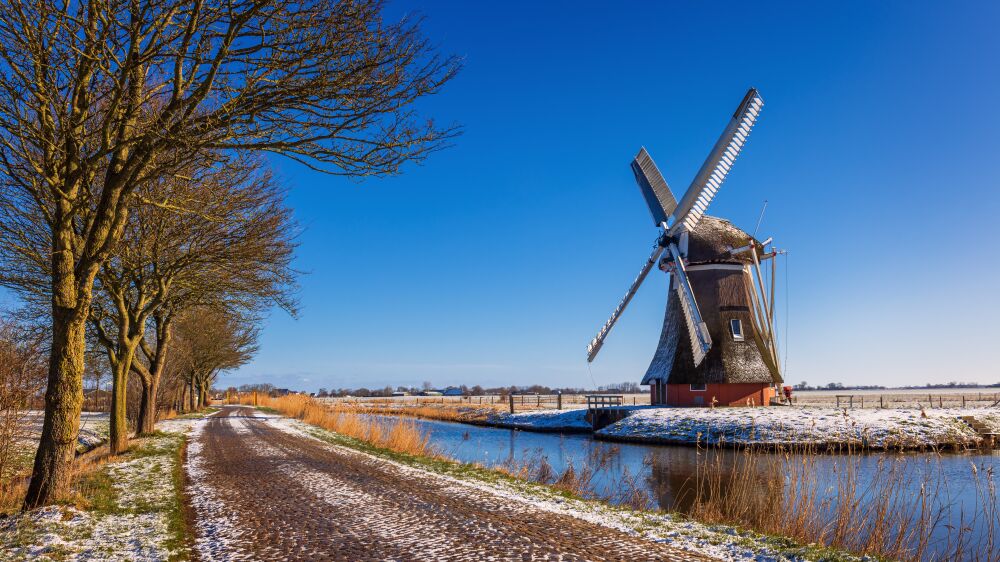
(718, 343)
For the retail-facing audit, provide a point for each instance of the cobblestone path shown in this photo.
(262, 492)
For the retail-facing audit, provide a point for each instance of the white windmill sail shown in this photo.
(701, 341)
(720, 160)
(598, 341)
(679, 219)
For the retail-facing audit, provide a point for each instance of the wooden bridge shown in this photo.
(605, 409)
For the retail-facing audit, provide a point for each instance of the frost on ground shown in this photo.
(874, 428)
(67, 533)
(216, 525)
(134, 524)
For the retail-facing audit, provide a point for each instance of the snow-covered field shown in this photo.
(93, 428)
(136, 524)
(875, 428)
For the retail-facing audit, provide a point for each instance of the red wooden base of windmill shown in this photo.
(728, 394)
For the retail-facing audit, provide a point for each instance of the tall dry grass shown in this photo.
(453, 412)
(399, 435)
(865, 509)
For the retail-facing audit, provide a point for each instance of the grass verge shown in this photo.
(122, 507)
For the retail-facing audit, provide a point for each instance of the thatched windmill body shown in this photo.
(718, 343)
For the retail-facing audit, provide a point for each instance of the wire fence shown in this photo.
(522, 402)
(838, 399)
(911, 399)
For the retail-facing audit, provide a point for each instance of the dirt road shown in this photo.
(263, 492)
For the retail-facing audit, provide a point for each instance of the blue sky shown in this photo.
(497, 260)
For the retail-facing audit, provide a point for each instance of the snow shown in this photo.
(135, 528)
(875, 428)
(216, 526)
(821, 426)
(543, 420)
(94, 427)
(67, 533)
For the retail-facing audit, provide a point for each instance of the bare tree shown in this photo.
(99, 97)
(213, 341)
(225, 241)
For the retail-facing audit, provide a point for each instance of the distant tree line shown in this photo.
(477, 390)
(840, 386)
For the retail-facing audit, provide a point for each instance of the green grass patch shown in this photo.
(97, 491)
(180, 531)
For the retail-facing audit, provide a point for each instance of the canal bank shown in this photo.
(816, 428)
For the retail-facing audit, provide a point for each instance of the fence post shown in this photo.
(559, 401)
(255, 398)
(862, 402)
(963, 400)
(512, 403)
(880, 404)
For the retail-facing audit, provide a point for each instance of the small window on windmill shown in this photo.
(699, 387)
(736, 327)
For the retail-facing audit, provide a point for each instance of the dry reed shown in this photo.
(866, 509)
(399, 435)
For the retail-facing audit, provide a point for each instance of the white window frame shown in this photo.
(733, 322)
(704, 387)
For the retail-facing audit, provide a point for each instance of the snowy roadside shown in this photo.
(128, 508)
(717, 541)
(817, 426)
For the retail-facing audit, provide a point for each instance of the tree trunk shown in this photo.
(192, 396)
(118, 437)
(52, 472)
(150, 378)
(147, 406)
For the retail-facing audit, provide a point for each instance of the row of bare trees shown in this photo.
(213, 243)
(22, 376)
(132, 192)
